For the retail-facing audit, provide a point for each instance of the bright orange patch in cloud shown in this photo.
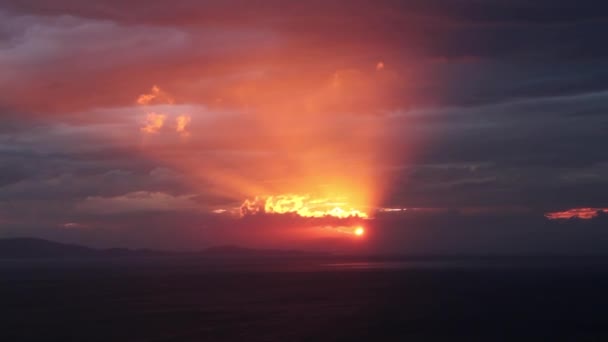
(153, 123)
(359, 231)
(155, 95)
(581, 213)
(182, 123)
(302, 205)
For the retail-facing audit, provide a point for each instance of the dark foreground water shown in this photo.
(190, 299)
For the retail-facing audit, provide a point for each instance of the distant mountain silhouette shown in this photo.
(40, 248)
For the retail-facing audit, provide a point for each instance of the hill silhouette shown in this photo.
(40, 248)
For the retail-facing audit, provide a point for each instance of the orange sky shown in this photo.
(118, 115)
(300, 136)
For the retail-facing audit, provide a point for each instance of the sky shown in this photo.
(457, 127)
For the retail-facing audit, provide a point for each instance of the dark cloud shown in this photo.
(525, 46)
(10, 175)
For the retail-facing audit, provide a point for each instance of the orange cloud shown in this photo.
(302, 205)
(289, 130)
(153, 123)
(156, 95)
(581, 213)
(182, 123)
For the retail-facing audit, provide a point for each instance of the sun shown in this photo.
(359, 231)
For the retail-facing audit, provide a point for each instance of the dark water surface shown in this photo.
(194, 299)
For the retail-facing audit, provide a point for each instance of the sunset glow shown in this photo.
(153, 123)
(182, 123)
(291, 123)
(302, 205)
(304, 170)
(156, 95)
(581, 213)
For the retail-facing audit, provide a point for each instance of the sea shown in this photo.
(337, 298)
